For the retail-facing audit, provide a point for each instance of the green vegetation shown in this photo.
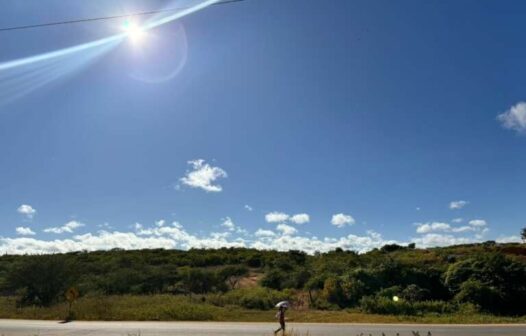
(466, 283)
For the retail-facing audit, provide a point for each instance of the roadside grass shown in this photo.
(183, 308)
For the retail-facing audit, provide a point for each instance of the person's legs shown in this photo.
(281, 328)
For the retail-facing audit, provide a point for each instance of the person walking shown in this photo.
(280, 315)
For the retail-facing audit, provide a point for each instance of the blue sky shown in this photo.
(273, 124)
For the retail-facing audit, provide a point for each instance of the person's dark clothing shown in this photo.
(281, 317)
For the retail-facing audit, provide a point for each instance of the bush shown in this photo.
(333, 292)
(389, 292)
(274, 279)
(384, 305)
(475, 292)
(40, 280)
(413, 293)
(251, 298)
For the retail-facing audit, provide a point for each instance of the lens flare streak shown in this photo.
(22, 76)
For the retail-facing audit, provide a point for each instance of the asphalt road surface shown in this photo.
(50, 328)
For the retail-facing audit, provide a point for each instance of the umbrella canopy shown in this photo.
(284, 304)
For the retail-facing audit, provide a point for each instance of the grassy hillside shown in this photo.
(465, 283)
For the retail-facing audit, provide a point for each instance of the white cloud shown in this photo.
(248, 207)
(457, 220)
(478, 222)
(300, 218)
(286, 230)
(430, 227)
(229, 224)
(456, 205)
(437, 239)
(175, 236)
(69, 227)
(281, 217)
(514, 118)
(463, 229)
(160, 222)
(509, 239)
(424, 228)
(26, 210)
(276, 217)
(264, 233)
(24, 231)
(481, 233)
(340, 220)
(313, 244)
(203, 176)
(172, 237)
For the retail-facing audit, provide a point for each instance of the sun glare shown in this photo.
(134, 32)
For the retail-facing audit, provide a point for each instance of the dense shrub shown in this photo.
(488, 276)
(474, 291)
(40, 280)
(384, 305)
(251, 298)
(414, 293)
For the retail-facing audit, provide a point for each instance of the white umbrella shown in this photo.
(284, 304)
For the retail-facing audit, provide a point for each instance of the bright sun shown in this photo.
(134, 32)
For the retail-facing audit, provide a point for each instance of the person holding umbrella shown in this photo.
(280, 315)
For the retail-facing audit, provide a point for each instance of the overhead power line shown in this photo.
(112, 17)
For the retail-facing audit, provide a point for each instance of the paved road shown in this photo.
(49, 328)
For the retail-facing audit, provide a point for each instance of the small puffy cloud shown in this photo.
(478, 222)
(457, 220)
(300, 218)
(456, 205)
(281, 217)
(24, 231)
(160, 222)
(276, 217)
(286, 230)
(248, 207)
(340, 220)
(228, 224)
(69, 227)
(463, 229)
(26, 210)
(203, 176)
(264, 233)
(514, 118)
(431, 227)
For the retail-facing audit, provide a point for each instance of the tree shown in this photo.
(198, 281)
(413, 293)
(474, 291)
(523, 234)
(313, 285)
(493, 279)
(233, 274)
(40, 280)
(333, 291)
(274, 279)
